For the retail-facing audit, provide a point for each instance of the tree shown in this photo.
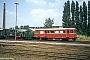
(88, 18)
(48, 23)
(66, 15)
(84, 18)
(77, 16)
(73, 14)
(68, 9)
(81, 20)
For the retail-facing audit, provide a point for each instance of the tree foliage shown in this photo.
(77, 22)
(66, 15)
(48, 23)
(73, 14)
(84, 18)
(77, 16)
(88, 18)
(81, 20)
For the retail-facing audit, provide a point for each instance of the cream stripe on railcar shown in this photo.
(55, 29)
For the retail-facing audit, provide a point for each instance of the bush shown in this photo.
(83, 37)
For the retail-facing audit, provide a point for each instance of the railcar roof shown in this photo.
(55, 29)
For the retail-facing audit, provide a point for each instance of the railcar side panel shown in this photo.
(56, 35)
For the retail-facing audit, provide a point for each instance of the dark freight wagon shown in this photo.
(9, 33)
(2, 34)
(27, 35)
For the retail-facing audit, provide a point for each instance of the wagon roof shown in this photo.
(55, 29)
(1, 29)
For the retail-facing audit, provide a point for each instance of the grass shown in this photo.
(83, 37)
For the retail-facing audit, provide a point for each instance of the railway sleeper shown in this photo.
(86, 52)
(59, 58)
(72, 52)
(71, 59)
(51, 54)
(62, 52)
(20, 53)
(50, 58)
(82, 57)
(72, 56)
(61, 55)
(40, 53)
(37, 57)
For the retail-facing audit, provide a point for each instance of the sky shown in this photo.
(33, 12)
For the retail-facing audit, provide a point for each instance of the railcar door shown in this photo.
(67, 34)
(45, 34)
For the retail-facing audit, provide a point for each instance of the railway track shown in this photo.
(38, 53)
(78, 41)
(65, 54)
(45, 42)
(21, 50)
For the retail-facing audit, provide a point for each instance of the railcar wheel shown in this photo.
(67, 39)
(63, 39)
(74, 39)
(33, 38)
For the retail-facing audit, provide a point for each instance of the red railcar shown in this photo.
(60, 33)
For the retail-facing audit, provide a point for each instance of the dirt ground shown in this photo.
(43, 52)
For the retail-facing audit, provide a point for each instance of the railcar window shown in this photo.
(63, 31)
(71, 31)
(37, 32)
(41, 32)
(56, 31)
(52, 31)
